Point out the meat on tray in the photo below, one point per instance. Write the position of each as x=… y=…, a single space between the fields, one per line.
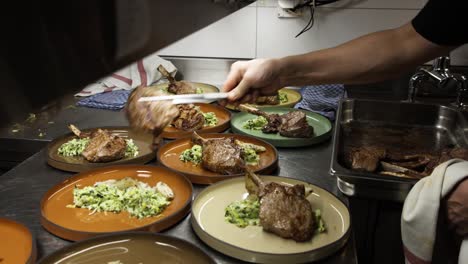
x=397 y=163
x=102 y=146
x=284 y=209
x=292 y=124
x=220 y=155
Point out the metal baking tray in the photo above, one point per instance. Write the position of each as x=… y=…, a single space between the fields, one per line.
x=410 y=127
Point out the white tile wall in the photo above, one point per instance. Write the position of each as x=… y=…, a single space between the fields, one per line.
x=332 y=26
x=231 y=37
x=256 y=31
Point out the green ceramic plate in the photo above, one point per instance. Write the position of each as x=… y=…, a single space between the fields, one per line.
x=322 y=128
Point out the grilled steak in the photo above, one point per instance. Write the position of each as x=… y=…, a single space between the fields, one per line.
x=190 y=118
x=221 y=155
x=269 y=100
x=292 y=124
x=366 y=158
x=102 y=146
x=284 y=209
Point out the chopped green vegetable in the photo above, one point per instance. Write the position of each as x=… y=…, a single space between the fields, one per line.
x=243 y=213
x=255 y=123
x=73 y=147
x=199 y=90
x=283 y=97
x=320 y=224
x=193 y=154
x=210 y=119
x=250 y=156
x=132 y=149
x=135 y=197
x=76 y=146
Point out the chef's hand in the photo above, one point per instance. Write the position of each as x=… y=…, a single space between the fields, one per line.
x=150 y=116
x=249 y=79
x=457 y=209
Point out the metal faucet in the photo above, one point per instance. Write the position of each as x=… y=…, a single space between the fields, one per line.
x=440 y=77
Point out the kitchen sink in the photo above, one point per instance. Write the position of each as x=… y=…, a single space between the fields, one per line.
x=407 y=127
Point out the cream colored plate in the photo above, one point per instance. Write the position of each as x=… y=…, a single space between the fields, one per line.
x=255 y=245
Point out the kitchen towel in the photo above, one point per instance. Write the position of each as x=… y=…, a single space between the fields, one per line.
x=143 y=72
x=114 y=100
x=322 y=99
x=421 y=209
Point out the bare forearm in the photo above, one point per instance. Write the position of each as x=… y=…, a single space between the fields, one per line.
x=370 y=58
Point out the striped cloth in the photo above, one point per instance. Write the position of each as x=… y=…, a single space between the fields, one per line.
x=322 y=99
x=115 y=100
x=141 y=73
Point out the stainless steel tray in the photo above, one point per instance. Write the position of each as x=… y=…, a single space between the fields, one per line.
x=412 y=127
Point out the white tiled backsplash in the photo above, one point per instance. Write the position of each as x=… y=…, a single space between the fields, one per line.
x=256 y=31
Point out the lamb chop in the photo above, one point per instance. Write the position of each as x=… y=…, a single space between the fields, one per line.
x=284 y=209
x=292 y=124
x=268 y=100
x=177 y=87
x=103 y=146
x=221 y=155
x=190 y=118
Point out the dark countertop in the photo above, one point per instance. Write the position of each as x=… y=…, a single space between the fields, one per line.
x=22 y=188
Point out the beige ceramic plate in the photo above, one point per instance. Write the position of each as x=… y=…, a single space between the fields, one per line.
x=78 y=163
x=168 y=155
x=206 y=88
x=223 y=115
x=130 y=248
x=252 y=243
x=78 y=223
x=293 y=95
x=17 y=244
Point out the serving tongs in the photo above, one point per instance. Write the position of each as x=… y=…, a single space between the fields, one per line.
x=186 y=98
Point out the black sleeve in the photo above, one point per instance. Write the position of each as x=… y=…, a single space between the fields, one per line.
x=443 y=22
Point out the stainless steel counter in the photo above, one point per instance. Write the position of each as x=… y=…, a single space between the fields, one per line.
x=22 y=188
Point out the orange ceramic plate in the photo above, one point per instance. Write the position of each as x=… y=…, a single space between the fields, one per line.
x=17 y=245
x=77 y=164
x=223 y=115
x=78 y=223
x=168 y=155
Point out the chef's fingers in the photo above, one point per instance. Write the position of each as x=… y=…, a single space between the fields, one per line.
x=241 y=89
x=234 y=76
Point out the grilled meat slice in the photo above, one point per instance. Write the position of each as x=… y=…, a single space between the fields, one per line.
x=292 y=124
x=220 y=155
x=102 y=146
x=269 y=100
x=284 y=209
x=366 y=158
x=190 y=118
x=176 y=87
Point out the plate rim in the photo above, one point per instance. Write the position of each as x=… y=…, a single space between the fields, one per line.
x=286 y=105
x=335 y=246
x=124 y=233
x=219 y=177
x=33 y=255
x=65 y=166
x=78 y=235
x=214 y=129
x=283 y=143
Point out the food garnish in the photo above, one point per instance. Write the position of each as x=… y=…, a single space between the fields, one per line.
x=243 y=213
x=256 y=123
x=135 y=197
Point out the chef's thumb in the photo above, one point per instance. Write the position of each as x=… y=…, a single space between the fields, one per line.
x=238 y=92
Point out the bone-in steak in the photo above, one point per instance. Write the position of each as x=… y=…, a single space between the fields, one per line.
x=221 y=155
x=190 y=118
x=104 y=147
x=284 y=209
